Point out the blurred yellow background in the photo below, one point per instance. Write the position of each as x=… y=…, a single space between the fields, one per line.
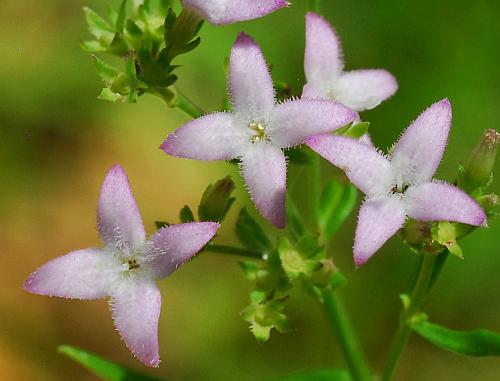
x=57 y=142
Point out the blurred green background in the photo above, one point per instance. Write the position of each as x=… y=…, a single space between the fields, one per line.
x=57 y=142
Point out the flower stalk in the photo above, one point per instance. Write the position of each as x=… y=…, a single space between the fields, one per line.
x=418 y=293
x=347 y=337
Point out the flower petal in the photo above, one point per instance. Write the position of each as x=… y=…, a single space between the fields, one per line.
x=250 y=84
x=135 y=305
x=211 y=137
x=364 y=89
x=292 y=122
x=230 y=11
x=82 y=274
x=419 y=150
x=174 y=245
x=264 y=170
x=323 y=56
x=437 y=201
x=378 y=220
x=366 y=168
x=118 y=219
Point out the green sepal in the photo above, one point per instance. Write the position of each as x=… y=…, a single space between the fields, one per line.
x=105 y=70
x=478 y=342
x=216 y=200
x=107 y=95
x=186 y=215
x=92 y=46
x=445 y=234
x=250 y=233
x=161 y=224
x=337 y=203
x=318 y=375
x=102 y=367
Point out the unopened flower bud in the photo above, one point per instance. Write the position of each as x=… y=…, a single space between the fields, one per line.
x=480 y=164
x=216 y=200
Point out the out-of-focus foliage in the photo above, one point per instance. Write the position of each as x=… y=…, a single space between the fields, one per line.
x=57 y=141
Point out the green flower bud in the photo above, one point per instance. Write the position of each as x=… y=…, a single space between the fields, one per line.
x=479 y=167
x=216 y=200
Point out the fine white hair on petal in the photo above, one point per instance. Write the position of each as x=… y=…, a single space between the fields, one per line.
x=216 y=136
x=367 y=169
x=250 y=85
x=231 y=11
x=118 y=218
x=83 y=274
x=364 y=89
x=439 y=201
x=174 y=245
x=135 y=305
x=423 y=143
x=323 y=61
x=264 y=171
x=379 y=219
x=293 y=121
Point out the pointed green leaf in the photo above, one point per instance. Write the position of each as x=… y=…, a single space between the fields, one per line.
x=161 y=224
x=251 y=234
x=105 y=70
x=186 y=215
x=478 y=342
x=120 y=21
x=98 y=27
x=92 y=46
x=132 y=29
x=357 y=130
x=295 y=224
x=108 y=95
x=318 y=375
x=101 y=367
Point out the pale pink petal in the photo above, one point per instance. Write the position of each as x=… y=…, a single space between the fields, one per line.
x=81 y=274
x=378 y=220
x=310 y=91
x=437 y=201
x=118 y=219
x=135 y=305
x=323 y=56
x=419 y=150
x=211 y=137
x=366 y=168
x=250 y=84
x=264 y=170
x=174 y=245
x=231 y=11
x=292 y=122
x=364 y=89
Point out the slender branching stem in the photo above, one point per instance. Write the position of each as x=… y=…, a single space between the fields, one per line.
x=224 y=249
x=417 y=295
x=176 y=99
x=347 y=337
x=313 y=5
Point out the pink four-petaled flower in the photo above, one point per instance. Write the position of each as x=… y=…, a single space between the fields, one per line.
x=400 y=185
x=231 y=11
x=257 y=129
x=126 y=268
x=323 y=64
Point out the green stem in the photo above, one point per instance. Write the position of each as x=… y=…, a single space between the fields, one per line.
x=404 y=330
x=315 y=192
x=313 y=5
x=174 y=98
x=347 y=337
x=224 y=249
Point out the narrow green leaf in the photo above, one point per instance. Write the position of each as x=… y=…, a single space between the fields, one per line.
x=106 y=71
x=133 y=29
x=92 y=46
x=357 y=130
x=250 y=233
x=186 y=215
x=120 y=21
x=295 y=224
x=478 y=342
x=318 y=375
x=101 y=367
x=337 y=202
